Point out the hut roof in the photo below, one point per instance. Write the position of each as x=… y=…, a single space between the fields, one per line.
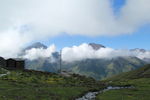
x=16 y=59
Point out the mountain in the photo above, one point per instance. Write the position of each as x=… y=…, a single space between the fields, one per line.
x=142 y=72
x=36 y=45
x=48 y=64
x=102 y=68
x=138 y=50
x=96 y=46
x=96 y=68
x=147 y=60
x=142 y=52
x=42 y=64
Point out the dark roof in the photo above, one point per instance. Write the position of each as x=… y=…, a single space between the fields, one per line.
x=2 y=58
x=11 y=59
x=16 y=59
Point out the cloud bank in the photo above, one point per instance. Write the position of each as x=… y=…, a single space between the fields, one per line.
x=85 y=51
x=36 y=53
x=82 y=52
x=24 y=21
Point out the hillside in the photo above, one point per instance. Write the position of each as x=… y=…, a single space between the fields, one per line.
x=139 y=78
x=36 y=85
x=103 y=68
x=42 y=64
x=143 y=72
x=98 y=68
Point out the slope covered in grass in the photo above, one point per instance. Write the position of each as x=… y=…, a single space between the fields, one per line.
x=104 y=68
x=139 y=78
x=3 y=71
x=143 y=72
x=33 y=85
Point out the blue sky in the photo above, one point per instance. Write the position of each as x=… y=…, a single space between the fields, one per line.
x=138 y=39
x=117 y=4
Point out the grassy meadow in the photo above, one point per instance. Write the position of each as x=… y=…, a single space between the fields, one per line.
x=32 y=85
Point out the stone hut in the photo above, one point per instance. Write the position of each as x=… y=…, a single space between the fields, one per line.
x=15 y=63
x=20 y=64
x=11 y=63
x=2 y=62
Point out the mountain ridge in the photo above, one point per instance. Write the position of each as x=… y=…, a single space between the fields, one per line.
x=36 y=45
x=96 y=46
x=96 y=68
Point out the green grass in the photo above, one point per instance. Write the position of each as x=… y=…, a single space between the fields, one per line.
x=3 y=71
x=140 y=92
x=140 y=79
x=143 y=72
x=21 y=91
x=32 y=85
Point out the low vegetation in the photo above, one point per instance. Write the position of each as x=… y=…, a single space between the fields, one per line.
x=33 y=85
x=140 y=79
x=3 y=71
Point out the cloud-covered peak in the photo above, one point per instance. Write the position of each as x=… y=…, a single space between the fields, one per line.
x=36 y=45
x=82 y=52
x=36 y=53
x=138 y=50
x=96 y=46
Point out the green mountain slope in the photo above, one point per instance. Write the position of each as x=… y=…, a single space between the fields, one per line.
x=102 y=68
x=139 y=78
x=42 y=64
x=143 y=72
x=96 y=68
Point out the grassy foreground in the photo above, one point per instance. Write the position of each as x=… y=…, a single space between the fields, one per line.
x=140 y=92
x=31 y=85
x=140 y=79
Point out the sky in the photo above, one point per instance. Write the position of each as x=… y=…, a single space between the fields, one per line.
x=119 y=24
x=138 y=39
x=129 y=41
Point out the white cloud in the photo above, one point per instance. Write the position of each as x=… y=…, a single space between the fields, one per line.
x=23 y=21
x=36 y=53
x=85 y=51
x=142 y=55
x=82 y=52
x=11 y=42
x=134 y=14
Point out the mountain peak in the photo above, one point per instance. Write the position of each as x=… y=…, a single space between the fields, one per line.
x=138 y=50
x=36 y=45
x=96 y=46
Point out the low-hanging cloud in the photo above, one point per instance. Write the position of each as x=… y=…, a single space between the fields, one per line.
x=24 y=21
x=85 y=51
x=82 y=52
x=36 y=53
